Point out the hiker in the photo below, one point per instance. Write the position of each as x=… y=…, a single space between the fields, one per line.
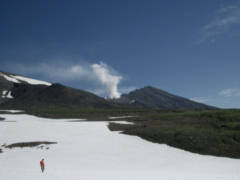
x=42 y=165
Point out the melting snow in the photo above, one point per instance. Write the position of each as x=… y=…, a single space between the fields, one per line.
x=89 y=151
x=121 y=117
x=132 y=101
x=10 y=78
x=18 y=79
x=31 y=81
x=4 y=93
x=122 y=122
x=12 y=111
x=7 y=94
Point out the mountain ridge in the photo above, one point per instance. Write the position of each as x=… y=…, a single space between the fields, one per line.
x=22 y=92
x=151 y=97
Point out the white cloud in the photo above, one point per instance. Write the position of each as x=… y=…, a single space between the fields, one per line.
x=224 y=20
x=199 y=99
x=98 y=74
x=231 y=92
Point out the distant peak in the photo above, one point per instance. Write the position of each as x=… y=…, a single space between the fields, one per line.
x=149 y=87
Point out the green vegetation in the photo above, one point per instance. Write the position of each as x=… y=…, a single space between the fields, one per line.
x=206 y=132
x=212 y=132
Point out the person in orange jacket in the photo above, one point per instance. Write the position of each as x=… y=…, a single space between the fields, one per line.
x=42 y=165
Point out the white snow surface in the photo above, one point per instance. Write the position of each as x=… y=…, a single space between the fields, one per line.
x=18 y=79
x=12 y=111
x=10 y=78
x=89 y=151
x=31 y=81
x=122 y=122
x=7 y=94
x=4 y=93
x=120 y=117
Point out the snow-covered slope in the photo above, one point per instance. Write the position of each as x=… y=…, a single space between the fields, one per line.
x=9 y=78
x=89 y=151
x=7 y=81
x=19 y=79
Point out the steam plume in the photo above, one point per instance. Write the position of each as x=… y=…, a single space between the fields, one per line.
x=98 y=75
x=107 y=78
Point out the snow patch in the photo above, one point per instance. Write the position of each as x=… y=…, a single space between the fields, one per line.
x=10 y=78
x=132 y=101
x=7 y=94
x=122 y=122
x=31 y=81
x=4 y=92
x=12 y=111
x=18 y=79
x=120 y=117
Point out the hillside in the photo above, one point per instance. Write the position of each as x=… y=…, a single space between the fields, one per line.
x=27 y=96
x=7 y=81
x=19 y=92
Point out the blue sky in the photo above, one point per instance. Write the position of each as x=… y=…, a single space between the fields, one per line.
x=189 y=48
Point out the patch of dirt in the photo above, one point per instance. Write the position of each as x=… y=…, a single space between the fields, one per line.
x=2 y=119
x=29 y=144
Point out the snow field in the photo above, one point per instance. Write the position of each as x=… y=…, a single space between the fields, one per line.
x=89 y=151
